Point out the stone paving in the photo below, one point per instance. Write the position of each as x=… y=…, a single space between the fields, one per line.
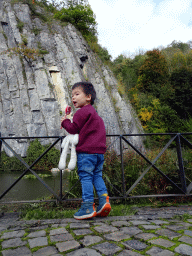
x=159 y=232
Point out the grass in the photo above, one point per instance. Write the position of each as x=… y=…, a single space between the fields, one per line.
x=39 y=211
x=33 y=177
x=51 y=210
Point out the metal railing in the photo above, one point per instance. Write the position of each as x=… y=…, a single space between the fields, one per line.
x=177 y=138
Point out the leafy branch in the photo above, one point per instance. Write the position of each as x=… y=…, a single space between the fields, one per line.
x=29 y=54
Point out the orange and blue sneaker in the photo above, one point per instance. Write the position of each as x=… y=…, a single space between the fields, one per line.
x=86 y=211
x=104 y=207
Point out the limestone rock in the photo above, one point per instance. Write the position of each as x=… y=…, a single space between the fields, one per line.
x=35 y=92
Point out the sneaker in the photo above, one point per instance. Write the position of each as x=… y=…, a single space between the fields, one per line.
x=104 y=207
x=86 y=211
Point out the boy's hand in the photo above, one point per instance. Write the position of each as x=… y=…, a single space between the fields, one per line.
x=63 y=118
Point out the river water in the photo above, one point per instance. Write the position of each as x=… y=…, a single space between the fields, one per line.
x=30 y=189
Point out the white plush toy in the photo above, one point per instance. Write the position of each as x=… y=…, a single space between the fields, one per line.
x=69 y=142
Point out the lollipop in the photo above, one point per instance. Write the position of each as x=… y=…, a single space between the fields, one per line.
x=67 y=112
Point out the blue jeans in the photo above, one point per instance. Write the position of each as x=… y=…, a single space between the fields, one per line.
x=90 y=168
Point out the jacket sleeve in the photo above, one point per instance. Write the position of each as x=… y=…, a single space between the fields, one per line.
x=70 y=127
x=79 y=119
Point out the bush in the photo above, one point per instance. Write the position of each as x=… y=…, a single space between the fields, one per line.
x=81 y=16
x=10 y=163
x=126 y=70
x=50 y=160
x=155 y=116
x=35 y=149
x=112 y=173
x=154 y=71
x=180 y=101
x=20 y=25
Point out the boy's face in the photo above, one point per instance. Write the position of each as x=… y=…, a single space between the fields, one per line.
x=79 y=98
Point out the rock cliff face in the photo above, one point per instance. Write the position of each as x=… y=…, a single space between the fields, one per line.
x=34 y=93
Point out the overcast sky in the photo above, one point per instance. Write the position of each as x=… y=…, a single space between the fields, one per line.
x=125 y=26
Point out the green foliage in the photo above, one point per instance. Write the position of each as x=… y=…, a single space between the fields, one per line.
x=153 y=182
x=103 y=53
x=10 y=163
x=74 y=184
x=181 y=79
x=29 y=54
x=158 y=85
x=4 y=35
x=121 y=209
x=184 y=47
x=20 y=25
x=24 y=40
x=154 y=76
x=155 y=117
x=45 y=211
x=43 y=51
x=81 y=16
x=53 y=211
x=33 y=177
x=178 y=54
x=36 y=31
x=50 y=160
x=153 y=72
x=112 y=173
x=35 y=149
x=46 y=5
x=126 y=70
x=78 y=13
x=134 y=166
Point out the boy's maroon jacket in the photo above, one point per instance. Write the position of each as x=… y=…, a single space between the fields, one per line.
x=91 y=129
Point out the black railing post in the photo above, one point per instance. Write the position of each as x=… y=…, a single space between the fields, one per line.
x=122 y=166
x=180 y=161
x=0 y=149
x=61 y=174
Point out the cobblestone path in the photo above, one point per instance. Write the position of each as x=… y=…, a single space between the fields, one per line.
x=159 y=232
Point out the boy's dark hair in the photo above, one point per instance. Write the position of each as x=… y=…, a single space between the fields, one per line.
x=88 y=88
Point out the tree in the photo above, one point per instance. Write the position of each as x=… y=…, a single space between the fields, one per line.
x=184 y=47
x=103 y=53
x=63 y=3
x=126 y=69
x=181 y=80
x=76 y=2
x=81 y=16
x=153 y=74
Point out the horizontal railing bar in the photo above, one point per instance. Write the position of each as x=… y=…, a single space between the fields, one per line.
x=28 y=201
x=37 y=137
x=52 y=200
x=111 y=198
x=108 y=135
x=149 y=134
x=159 y=195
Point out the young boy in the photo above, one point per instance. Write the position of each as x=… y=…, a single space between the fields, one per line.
x=90 y=150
